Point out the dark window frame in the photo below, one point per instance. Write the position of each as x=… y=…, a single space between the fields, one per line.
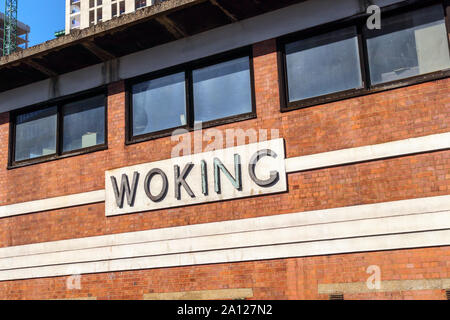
x=367 y=88
x=59 y=154
x=188 y=68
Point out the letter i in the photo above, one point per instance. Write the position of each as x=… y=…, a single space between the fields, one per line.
x=204 y=178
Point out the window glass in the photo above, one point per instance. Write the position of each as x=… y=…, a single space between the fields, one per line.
x=84 y=123
x=407 y=45
x=99 y=14
x=140 y=3
x=222 y=90
x=324 y=64
x=159 y=104
x=35 y=134
x=91 y=18
x=114 y=9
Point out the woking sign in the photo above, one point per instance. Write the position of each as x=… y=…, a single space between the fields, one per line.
x=238 y=172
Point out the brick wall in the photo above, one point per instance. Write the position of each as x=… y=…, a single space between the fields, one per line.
x=296 y=278
x=413 y=111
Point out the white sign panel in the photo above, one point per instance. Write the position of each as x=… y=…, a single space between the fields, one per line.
x=232 y=173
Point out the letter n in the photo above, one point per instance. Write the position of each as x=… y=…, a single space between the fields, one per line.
x=235 y=181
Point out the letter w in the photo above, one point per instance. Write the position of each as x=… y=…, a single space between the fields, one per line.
x=125 y=190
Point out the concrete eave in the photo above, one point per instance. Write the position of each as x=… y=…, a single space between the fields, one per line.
x=152 y=26
x=113 y=25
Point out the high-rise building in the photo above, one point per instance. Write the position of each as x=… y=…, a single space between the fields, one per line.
x=81 y=14
x=23 y=32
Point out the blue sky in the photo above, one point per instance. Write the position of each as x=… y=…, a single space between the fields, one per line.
x=44 y=17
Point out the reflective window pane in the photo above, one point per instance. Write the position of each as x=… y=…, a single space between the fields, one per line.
x=159 y=104
x=35 y=134
x=324 y=64
x=84 y=123
x=222 y=90
x=408 y=45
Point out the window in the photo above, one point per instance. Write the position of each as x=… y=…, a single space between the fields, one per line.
x=208 y=92
x=408 y=45
x=140 y=4
x=75 y=23
x=83 y=124
x=75 y=8
x=331 y=62
x=35 y=134
x=114 y=9
x=222 y=90
x=343 y=60
x=159 y=104
x=91 y=18
x=61 y=129
x=99 y=14
x=122 y=7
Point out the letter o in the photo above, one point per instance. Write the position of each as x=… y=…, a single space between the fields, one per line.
x=148 y=180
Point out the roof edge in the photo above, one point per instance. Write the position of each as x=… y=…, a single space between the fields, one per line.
x=87 y=34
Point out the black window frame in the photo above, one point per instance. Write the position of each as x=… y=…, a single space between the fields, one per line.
x=59 y=103
x=359 y=21
x=188 y=68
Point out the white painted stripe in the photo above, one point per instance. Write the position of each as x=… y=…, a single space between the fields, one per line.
x=365 y=244
x=316 y=161
x=383 y=226
x=52 y=203
x=343 y=214
x=264 y=237
x=367 y=153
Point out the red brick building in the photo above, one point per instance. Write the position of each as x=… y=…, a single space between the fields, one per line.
x=357 y=207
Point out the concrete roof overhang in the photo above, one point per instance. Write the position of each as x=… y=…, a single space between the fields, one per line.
x=149 y=27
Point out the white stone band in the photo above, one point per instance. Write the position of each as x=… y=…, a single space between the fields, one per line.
x=72 y=200
x=398 y=148
x=383 y=226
